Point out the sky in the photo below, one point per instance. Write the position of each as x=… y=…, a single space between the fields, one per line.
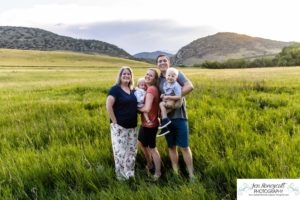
x=151 y=25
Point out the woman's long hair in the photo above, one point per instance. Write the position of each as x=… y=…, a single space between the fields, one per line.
x=155 y=77
x=118 y=81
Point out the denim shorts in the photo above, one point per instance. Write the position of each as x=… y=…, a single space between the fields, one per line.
x=179 y=133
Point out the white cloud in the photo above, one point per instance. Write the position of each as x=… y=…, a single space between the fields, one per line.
x=277 y=19
x=137 y=36
x=74 y=13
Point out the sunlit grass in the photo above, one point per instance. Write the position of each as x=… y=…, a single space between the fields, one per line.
x=55 y=140
x=31 y=58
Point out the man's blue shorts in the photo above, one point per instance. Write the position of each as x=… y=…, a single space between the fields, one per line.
x=179 y=133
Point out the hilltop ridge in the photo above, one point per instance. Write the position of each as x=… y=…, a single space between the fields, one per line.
x=226 y=45
x=39 y=39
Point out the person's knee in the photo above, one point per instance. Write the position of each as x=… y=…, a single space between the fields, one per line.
x=140 y=144
x=185 y=149
x=152 y=150
x=173 y=149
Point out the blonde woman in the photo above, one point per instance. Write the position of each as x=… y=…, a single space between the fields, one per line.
x=121 y=105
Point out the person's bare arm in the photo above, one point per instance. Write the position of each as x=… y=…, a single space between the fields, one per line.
x=109 y=107
x=187 y=88
x=174 y=98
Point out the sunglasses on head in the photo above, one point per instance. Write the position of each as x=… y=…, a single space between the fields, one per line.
x=163 y=60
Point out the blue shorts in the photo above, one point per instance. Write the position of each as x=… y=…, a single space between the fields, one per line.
x=179 y=133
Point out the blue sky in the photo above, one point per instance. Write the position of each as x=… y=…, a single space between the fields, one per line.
x=144 y=25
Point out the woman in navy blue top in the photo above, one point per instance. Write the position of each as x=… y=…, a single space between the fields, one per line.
x=121 y=105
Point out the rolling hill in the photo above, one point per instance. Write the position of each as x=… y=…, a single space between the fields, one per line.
x=150 y=55
x=38 y=39
x=225 y=45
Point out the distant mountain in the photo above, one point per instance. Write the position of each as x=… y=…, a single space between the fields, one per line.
x=225 y=45
x=151 y=55
x=38 y=39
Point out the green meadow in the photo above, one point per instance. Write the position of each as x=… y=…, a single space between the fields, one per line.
x=55 y=138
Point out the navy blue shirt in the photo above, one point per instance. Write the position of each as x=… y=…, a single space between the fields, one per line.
x=125 y=107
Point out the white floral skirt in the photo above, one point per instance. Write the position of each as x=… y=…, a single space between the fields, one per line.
x=124 y=144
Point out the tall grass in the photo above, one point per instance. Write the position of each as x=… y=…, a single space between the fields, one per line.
x=55 y=140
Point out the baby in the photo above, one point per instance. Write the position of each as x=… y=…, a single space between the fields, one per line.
x=171 y=99
x=140 y=92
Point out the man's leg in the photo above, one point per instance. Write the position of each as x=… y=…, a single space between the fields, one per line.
x=173 y=154
x=182 y=141
x=188 y=159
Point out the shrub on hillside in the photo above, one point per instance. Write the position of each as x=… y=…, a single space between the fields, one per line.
x=289 y=56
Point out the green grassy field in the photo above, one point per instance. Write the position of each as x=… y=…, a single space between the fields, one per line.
x=55 y=140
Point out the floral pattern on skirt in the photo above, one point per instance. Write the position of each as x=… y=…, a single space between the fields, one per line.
x=124 y=144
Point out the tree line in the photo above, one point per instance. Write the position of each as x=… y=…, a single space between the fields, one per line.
x=289 y=56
